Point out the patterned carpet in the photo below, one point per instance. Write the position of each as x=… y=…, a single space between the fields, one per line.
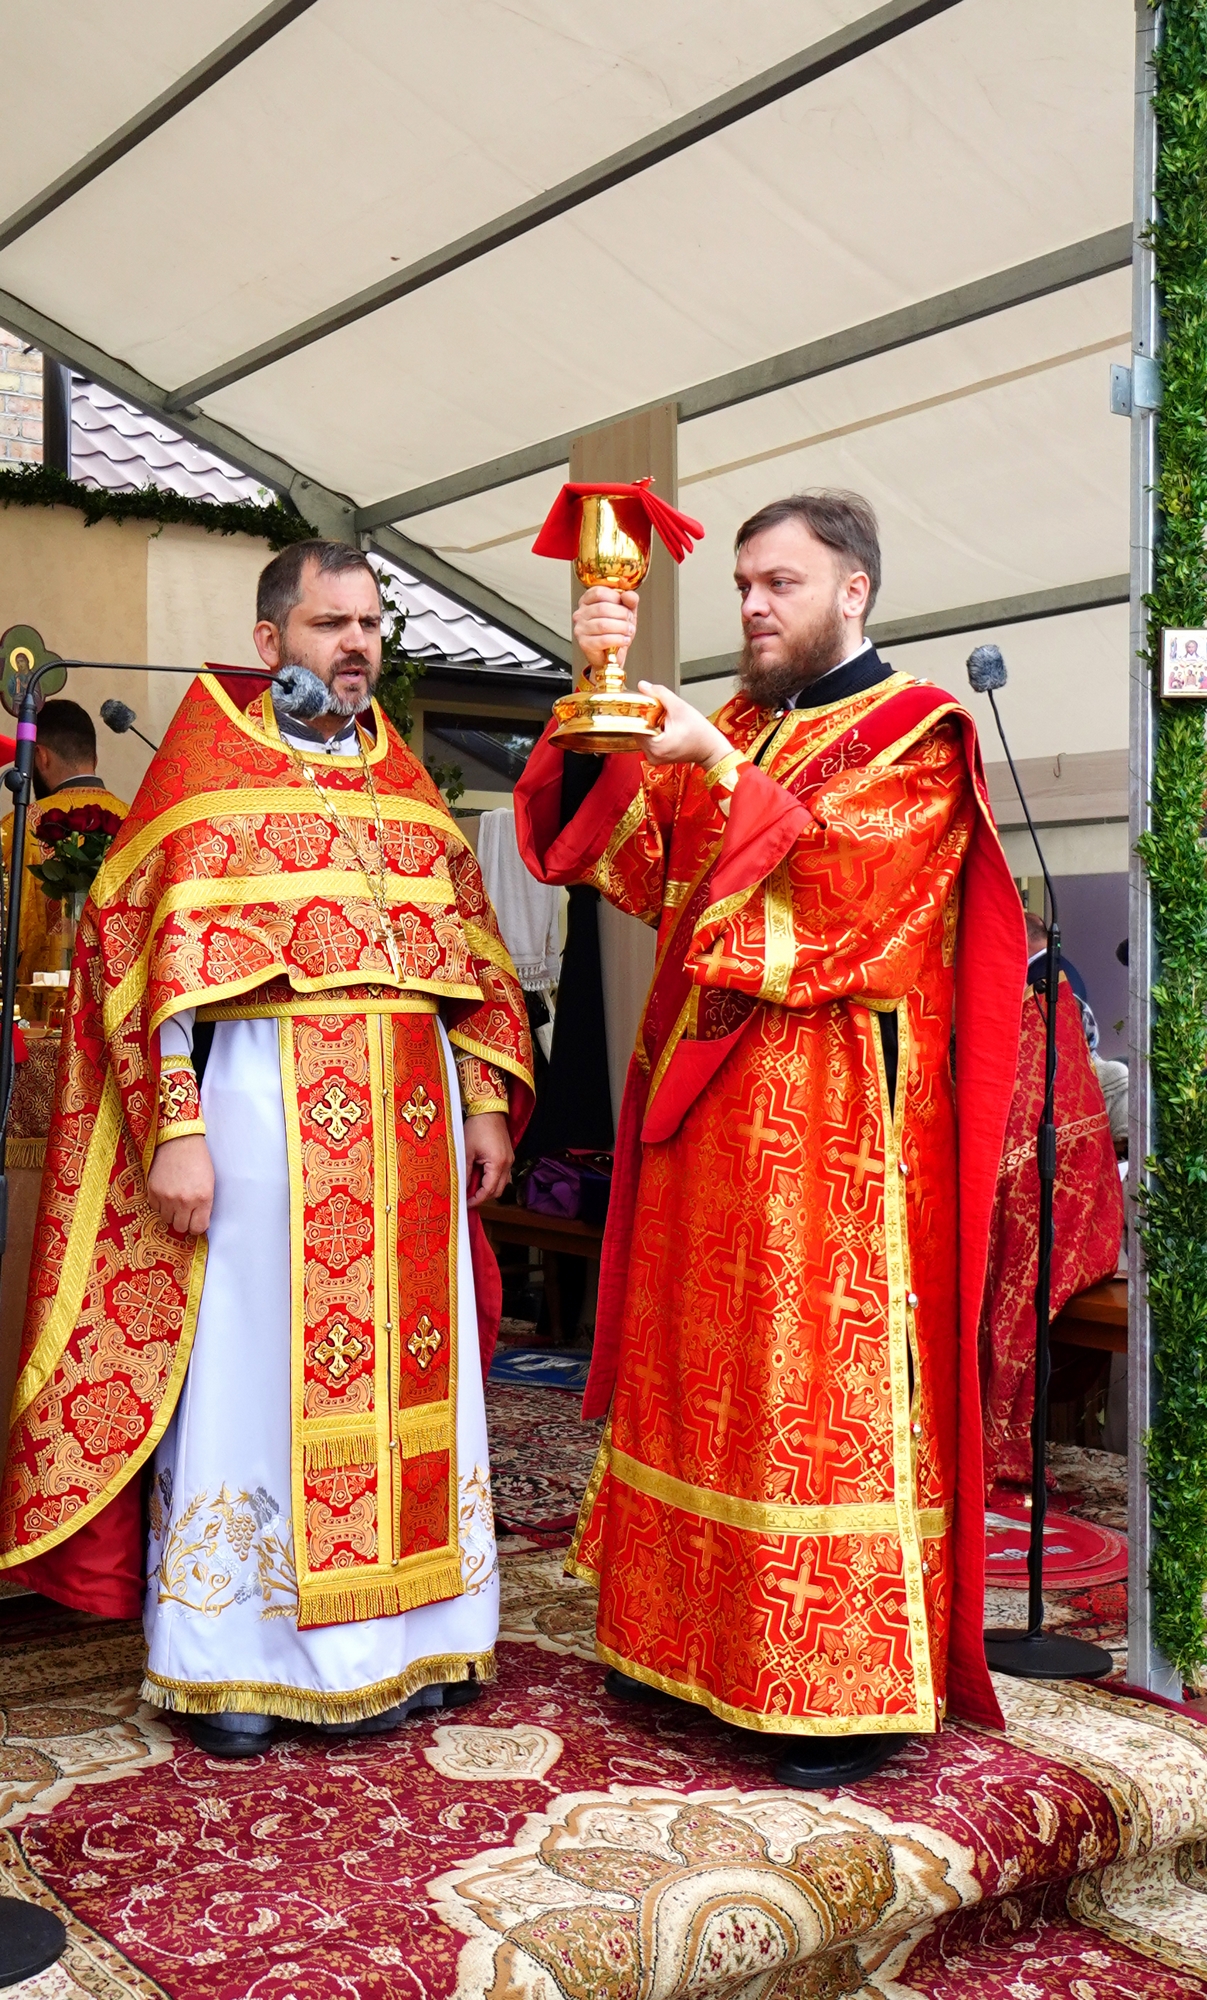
x=541 y=1454
x=552 y=1844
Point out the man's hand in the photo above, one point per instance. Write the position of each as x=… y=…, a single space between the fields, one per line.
x=686 y=736
x=605 y=618
x=488 y=1147
x=180 y=1185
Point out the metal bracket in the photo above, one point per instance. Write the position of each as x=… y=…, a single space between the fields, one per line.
x=1135 y=388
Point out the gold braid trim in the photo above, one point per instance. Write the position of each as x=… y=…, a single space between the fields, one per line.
x=77 y=1261
x=767 y=1518
x=303 y=1704
x=293 y=799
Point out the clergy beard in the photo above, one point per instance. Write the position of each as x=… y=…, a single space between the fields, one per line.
x=811 y=655
x=348 y=705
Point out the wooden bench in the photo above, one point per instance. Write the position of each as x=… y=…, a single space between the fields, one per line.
x=506 y=1222
x=1095 y=1318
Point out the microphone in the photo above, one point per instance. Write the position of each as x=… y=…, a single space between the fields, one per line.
x=986 y=671
x=119 y=717
x=298 y=692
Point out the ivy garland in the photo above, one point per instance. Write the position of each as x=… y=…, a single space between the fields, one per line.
x=277 y=522
x=1175 y=1221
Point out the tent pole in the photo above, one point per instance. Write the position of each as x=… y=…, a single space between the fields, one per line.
x=1145 y=1666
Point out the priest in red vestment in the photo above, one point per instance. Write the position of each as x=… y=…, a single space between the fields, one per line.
x=786 y=1517
x=249 y=1375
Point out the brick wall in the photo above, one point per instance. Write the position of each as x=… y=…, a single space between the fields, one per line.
x=20 y=400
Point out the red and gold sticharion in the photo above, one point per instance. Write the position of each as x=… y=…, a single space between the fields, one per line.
x=786 y=1334
x=230 y=892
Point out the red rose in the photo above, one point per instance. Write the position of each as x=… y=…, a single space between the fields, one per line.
x=52 y=827
x=93 y=819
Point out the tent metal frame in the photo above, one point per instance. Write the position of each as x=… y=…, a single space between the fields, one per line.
x=845 y=45
x=1038 y=278
x=185 y=91
x=1145 y=1666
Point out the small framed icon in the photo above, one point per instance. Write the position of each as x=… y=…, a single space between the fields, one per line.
x=1184 y=665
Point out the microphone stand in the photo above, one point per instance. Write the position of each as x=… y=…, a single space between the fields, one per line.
x=1036 y=1654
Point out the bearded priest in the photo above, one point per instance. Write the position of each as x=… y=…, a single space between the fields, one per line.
x=786 y=1520
x=295 y=1059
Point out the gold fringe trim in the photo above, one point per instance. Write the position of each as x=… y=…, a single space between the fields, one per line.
x=422 y=1433
x=341 y=1448
x=27 y=1153
x=309 y=1705
x=349 y=1602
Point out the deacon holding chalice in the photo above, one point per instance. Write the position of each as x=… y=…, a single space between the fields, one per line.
x=786 y=1522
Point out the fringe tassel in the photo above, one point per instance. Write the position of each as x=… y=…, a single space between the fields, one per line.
x=27 y=1153
x=335 y=1604
x=427 y=1434
x=300 y=1705
x=333 y=1449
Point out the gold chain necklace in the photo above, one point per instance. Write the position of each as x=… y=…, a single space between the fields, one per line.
x=375 y=884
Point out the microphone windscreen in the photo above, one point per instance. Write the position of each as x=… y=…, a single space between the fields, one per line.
x=117 y=716
x=296 y=691
x=986 y=668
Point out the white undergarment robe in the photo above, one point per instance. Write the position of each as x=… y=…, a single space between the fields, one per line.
x=220 y=1609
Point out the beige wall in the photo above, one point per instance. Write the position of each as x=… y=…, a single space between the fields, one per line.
x=129 y=592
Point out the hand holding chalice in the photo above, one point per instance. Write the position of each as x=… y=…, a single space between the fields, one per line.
x=606 y=532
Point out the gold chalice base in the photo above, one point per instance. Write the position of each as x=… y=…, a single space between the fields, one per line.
x=599 y=722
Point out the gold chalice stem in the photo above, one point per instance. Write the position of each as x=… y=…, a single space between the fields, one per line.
x=613 y=673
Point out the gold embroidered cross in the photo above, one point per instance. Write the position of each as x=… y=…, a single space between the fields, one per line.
x=739 y=1270
x=824 y=1446
x=861 y=1163
x=421 y=1112
x=720 y=1407
x=336 y=1112
x=839 y=1300
x=648 y=1372
x=337 y=1351
x=758 y=1132
x=717 y=963
x=424 y=1342
x=798 y=1590
x=704 y=1542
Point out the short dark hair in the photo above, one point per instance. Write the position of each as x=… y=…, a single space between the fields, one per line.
x=279 y=590
x=68 y=730
x=843 y=521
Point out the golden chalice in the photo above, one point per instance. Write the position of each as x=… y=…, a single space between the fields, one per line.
x=613 y=549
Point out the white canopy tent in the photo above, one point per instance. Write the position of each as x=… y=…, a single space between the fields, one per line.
x=391 y=257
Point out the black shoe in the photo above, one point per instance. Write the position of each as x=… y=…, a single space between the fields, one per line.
x=437 y=1697
x=233 y=1735
x=624 y=1688
x=822 y=1763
